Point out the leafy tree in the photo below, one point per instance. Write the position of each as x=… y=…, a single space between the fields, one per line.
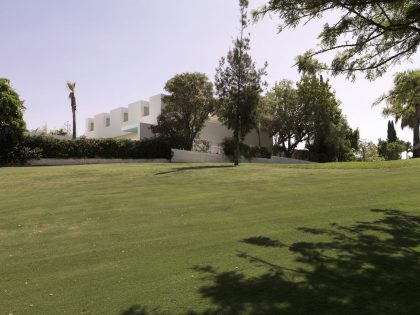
x=391 y=132
x=333 y=141
x=59 y=132
x=392 y=147
x=310 y=113
x=408 y=147
x=288 y=119
x=238 y=86
x=330 y=136
x=403 y=102
x=391 y=150
x=368 y=36
x=354 y=137
x=262 y=117
x=12 y=125
x=368 y=151
x=72 y=96
x=187 y=107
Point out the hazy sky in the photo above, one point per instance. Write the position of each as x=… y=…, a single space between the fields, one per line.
x=122 y=51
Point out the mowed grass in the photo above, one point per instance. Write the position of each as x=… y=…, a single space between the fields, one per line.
x=138 y=239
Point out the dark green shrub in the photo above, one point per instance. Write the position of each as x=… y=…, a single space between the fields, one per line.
x=246 y=151
x=154 y=148
x=20 y=154
x=260 y=152
x=391 y=150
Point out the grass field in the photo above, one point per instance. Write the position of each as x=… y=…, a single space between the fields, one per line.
x=211 y=239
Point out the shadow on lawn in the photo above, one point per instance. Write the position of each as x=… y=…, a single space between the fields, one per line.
x=192 y=168
x=370 y=268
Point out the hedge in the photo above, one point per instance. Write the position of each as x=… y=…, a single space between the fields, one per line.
x=153 y=148
x=248 y=152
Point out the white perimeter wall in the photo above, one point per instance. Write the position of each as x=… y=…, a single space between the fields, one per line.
x=181 y=156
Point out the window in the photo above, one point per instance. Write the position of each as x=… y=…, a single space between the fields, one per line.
x=91 y=126
x=146 y=111
x=108 y=122
x=125 y=117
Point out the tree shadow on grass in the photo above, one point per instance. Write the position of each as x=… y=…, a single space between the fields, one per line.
x=192 y=168
x=370 y=268
x=262 y=241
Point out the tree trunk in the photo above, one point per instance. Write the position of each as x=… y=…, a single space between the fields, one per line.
x=74 y=124
x=416 y=132
x=289 y=152
x=259 y=136
x=237 y=149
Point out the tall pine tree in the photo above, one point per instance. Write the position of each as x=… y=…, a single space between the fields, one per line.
x=238 y=86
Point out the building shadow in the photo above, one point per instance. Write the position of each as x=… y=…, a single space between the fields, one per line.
x=370 y=268
x=194 y=168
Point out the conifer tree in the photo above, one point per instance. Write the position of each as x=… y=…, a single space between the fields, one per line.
x=238 y=86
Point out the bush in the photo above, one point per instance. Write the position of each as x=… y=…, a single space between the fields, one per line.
x=154 y=148
x=246 y=151
x=20 y=154
x=260 y=152
x=12 y=125
x=391 y=150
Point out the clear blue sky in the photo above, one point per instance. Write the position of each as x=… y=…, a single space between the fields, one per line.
x=122 y=51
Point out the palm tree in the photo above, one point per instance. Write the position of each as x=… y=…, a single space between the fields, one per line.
x=72 y=86
x=403 y=102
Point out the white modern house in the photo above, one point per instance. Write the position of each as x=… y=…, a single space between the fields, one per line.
x=133 y=122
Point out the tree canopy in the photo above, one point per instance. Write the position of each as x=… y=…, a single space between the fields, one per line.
x=331 y=138
x=71 y=86
x=309 y=113
x=12 y=125
x=403 y=103
x=287 y=118
x=367 y=36
x=187 y=107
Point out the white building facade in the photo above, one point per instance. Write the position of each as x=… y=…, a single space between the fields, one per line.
x=133 y=122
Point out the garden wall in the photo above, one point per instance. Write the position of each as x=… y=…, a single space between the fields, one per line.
x=181 y=156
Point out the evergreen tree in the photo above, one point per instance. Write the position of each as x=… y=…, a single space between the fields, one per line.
x=391 y=133
x=238 y=86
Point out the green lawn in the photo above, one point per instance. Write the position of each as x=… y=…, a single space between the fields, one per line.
x=211 y=239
